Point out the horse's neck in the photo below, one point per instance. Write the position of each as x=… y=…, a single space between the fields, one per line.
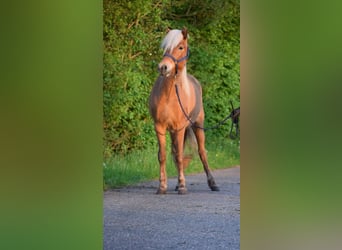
x=167 y=85
x=181 y=80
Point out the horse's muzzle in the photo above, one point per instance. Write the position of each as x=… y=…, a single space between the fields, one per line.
x=163 y=70
x=165 y=67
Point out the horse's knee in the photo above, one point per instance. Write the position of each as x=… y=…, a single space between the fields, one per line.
x=177 y=157
x=161 y=157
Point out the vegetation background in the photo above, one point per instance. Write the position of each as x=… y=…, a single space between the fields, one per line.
x=132 y=33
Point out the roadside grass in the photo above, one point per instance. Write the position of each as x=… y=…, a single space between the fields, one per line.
x=139 y=166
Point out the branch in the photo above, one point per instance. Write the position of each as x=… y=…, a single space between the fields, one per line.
x=134 y=56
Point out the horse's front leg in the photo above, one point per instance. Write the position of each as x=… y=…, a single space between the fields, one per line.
x=177 y=152
x=162 y=162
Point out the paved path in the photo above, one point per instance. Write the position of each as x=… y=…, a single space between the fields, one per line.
x=136 y=218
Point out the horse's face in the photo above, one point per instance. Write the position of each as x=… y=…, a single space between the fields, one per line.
x=174 y=59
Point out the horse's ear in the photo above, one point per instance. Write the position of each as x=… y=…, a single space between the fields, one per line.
x=185 y=33
x=168 y=29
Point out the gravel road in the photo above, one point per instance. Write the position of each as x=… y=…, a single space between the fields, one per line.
x=136 y=218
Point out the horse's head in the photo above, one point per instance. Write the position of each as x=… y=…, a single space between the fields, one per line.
x=176 y=52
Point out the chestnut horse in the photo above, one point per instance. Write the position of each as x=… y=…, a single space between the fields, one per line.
x=167 y=113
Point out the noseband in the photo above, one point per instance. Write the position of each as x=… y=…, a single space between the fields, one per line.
x=179 y=60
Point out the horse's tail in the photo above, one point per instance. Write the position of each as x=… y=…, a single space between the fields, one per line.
x=190 y=146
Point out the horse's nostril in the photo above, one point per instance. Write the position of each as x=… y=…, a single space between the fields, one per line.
x=163 y=69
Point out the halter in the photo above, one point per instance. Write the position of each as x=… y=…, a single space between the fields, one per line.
x=179 y=60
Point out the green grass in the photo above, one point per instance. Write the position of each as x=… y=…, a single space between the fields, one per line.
x=143 y=165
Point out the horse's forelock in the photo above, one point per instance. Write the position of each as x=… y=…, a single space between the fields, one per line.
x=171 y=40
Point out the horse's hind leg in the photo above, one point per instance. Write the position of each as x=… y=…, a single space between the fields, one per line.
x=203 y=155
x=190 y=145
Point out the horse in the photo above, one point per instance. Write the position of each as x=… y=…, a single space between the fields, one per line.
x=168 y=113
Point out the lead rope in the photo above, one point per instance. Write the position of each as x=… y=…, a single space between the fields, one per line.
x=234 y=115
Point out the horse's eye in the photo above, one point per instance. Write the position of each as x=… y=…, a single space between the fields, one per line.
x=181 y=48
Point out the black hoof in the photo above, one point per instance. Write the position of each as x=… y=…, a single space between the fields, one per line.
x=176 y=189
x=214 y=188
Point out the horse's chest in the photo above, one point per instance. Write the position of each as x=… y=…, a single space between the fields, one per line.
x=166 y=109
x=167 y=113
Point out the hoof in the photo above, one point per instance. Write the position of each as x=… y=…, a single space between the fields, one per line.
x=161 y=191
x=214 y=188
x=176 y=189
x=212 y=185
x=182 y=191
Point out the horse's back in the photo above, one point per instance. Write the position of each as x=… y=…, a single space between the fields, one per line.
x=198 y=108
x=197 y=88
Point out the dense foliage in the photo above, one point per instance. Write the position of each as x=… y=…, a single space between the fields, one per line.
x=132 y=34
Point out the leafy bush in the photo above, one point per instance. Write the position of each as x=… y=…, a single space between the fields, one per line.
x=132 y=34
